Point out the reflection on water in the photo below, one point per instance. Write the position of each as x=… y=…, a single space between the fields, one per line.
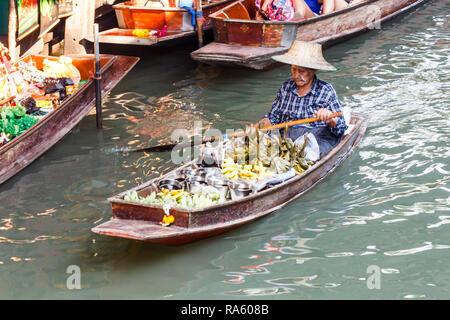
x=255 y=292
x=387 y=205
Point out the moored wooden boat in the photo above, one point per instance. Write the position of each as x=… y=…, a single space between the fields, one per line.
x=241 y=40
x=140 y=221
x=24 y=149
x=177 y=22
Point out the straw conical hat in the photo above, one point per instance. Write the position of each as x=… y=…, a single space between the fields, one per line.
x=305 y=54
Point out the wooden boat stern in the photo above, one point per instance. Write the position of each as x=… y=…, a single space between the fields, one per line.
x=135 y=229
x=232 y=54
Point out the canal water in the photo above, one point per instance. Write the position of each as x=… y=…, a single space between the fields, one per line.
x=384 y=211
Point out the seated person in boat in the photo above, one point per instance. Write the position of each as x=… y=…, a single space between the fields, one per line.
x=288 y=10
x=305 y=96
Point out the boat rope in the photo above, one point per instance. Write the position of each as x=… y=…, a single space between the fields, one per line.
x=92 y=76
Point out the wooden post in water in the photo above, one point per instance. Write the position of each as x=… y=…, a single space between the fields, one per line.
x=12 y=28
x=198 y=8
x=97 y=80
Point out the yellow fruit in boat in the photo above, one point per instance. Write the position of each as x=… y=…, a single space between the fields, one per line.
x=141 y=33
x=227 y=170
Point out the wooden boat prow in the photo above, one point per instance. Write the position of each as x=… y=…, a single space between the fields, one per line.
x=140 y=221
x=237 y=34
x=24 y=149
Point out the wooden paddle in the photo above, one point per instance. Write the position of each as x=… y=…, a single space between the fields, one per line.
x=167 y=147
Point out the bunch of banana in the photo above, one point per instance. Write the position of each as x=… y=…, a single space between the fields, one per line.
x=176 y=195
x=247 y=174
x=230 y=169
x=253 y=171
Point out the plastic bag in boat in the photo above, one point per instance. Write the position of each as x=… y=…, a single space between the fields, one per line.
x=312 y=150
x=347 y=114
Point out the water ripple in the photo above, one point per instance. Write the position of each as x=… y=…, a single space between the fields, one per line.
x=387 y=205
x=258 y=292
x=426 y=247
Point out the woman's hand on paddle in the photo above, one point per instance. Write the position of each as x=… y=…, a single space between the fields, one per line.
x=265 y=123
x=324 y=115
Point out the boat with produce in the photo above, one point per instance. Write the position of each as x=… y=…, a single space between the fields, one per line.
x=238 y=181
x=44 y=98
x=146 y=23
x=242 y=41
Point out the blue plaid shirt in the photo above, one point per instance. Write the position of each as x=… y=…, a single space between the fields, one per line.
x=290 y=106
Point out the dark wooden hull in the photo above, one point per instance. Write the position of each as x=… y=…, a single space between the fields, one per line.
x=24 y=149
x=140 y=222
x=177 y=21
x=252 y=43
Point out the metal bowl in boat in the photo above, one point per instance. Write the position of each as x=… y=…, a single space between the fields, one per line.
x=239 y=184
x=216 y=181
x=239 y=189
x=220 y=184
x=177 y=176
x=195 y=183
x=170 y=184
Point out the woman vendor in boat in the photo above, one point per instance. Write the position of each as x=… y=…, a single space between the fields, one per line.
x=305 y=96
x=288 y=10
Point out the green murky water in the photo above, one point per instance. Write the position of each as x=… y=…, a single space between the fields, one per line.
x=387 y=205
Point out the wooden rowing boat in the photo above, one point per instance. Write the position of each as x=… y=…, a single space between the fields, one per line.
x=24 y=149
x=240 y=40
x=140 y=221
x=178 y=22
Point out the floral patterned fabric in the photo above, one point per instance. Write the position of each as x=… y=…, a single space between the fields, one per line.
x=281 y=10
